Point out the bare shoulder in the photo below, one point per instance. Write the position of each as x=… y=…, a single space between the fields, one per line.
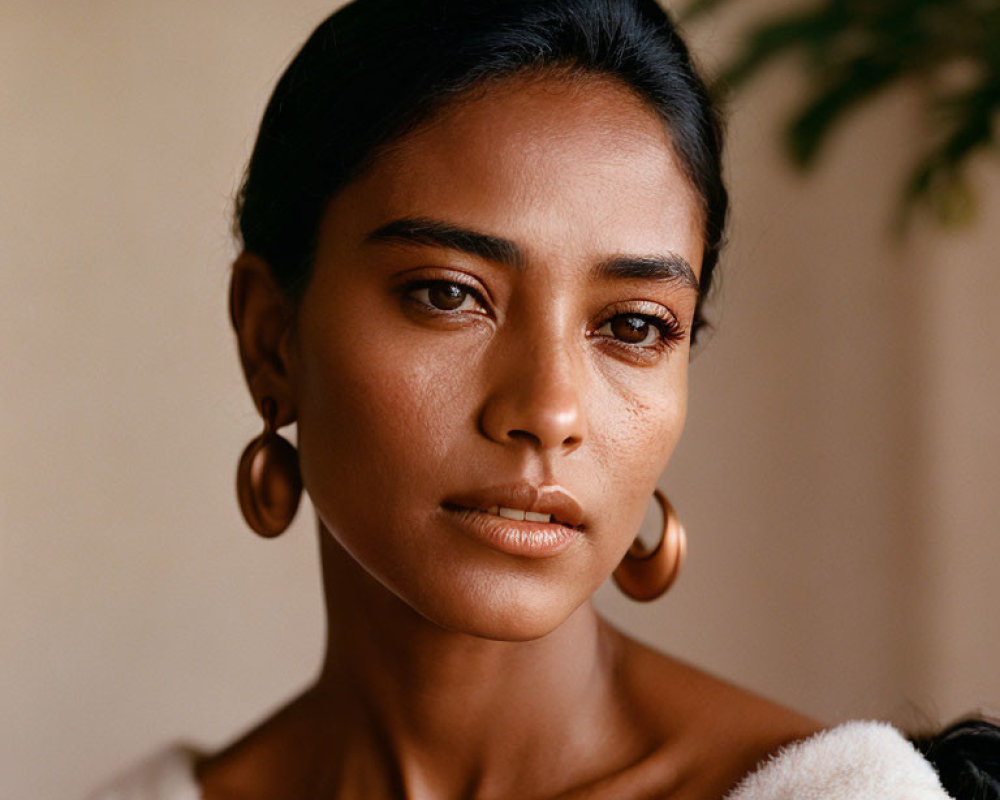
x=711 y=733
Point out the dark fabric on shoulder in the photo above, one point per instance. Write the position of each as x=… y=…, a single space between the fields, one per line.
x=966 y=756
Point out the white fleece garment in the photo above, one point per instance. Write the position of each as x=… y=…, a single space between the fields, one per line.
x=854 y=761
x=167 y=775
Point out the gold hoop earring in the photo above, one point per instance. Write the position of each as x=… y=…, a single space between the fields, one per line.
x=645 y=574
x=268 y=481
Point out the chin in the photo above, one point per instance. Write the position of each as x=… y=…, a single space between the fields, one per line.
x=521 y=613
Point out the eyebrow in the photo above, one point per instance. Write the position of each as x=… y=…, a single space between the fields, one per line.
x=668 y=268
x=419 y=230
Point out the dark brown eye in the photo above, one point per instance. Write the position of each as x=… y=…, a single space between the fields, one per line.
x=446 y=296
x=632 y=330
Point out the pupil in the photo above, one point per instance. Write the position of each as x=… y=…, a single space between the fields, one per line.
x=630 y=329
x=447 y=296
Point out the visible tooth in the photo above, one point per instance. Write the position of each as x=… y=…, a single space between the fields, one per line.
x=511 y=513
x=493 y=510
x=534 y=516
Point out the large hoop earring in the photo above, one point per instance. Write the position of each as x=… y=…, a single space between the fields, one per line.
x=645 y=574
x=268 y=481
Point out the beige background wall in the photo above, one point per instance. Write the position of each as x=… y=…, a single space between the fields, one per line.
x=837 y=477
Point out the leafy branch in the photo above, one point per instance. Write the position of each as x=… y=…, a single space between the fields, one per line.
x=856 y=49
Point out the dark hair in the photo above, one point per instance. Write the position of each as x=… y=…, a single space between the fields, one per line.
x=966 y=756
x=377 y=68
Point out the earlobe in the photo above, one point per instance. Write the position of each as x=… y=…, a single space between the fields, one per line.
x=262 y=317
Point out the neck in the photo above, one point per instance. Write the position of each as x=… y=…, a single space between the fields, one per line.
x=446 y=712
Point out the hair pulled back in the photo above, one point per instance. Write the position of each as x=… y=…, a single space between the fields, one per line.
x=377 y=68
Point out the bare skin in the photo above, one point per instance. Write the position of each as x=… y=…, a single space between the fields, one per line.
x=425 y=369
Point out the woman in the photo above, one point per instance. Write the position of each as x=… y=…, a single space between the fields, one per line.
x=477 y=238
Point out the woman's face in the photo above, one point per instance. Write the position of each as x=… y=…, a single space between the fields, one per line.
x=498 y=322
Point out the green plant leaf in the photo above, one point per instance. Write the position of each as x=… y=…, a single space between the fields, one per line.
x=853 y=50
x=699 y=8
x=808 y=131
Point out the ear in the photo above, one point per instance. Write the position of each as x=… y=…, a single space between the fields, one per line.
x=263 y=318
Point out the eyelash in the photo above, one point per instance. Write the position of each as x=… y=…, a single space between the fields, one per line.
x=426 y=285
x=670 y=331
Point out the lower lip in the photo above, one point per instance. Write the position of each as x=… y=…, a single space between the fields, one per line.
x=515 y=537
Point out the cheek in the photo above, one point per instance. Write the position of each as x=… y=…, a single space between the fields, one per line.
x=642 y=435
x=376 y=414
x=640 y=419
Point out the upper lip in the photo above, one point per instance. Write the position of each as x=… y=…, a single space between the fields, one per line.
x=542 y=499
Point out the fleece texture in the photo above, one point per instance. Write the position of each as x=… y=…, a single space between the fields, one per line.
x=167 y=775
x=854 y=761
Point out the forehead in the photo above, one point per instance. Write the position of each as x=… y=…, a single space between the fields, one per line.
x=542 y=160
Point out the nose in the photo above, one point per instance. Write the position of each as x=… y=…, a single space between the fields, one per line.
x=537 y=397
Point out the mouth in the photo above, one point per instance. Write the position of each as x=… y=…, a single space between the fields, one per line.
x=517 y=515
x=520 y=519
x=546 y=504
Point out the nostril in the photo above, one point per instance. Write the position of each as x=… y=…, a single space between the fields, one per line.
x=569 y=442
x=526 y=435
x=528 y=411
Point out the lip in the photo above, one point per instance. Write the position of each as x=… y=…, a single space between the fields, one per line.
x=520 y=537
x=543 y=499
